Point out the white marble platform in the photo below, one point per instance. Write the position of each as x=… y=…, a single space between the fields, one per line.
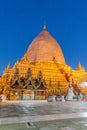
x=26 y=101
x=12 y=120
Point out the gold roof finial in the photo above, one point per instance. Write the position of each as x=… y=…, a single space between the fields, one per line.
x=79 y=65
x=8 y=67
x=44 y=28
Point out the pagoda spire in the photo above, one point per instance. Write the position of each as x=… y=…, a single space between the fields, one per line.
x=8 y=67
x=44 y=28
x=79 y=65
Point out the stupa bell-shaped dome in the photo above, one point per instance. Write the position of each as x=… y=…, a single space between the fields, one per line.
x=45 y=48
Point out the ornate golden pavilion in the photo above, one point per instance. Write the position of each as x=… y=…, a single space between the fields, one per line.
x=42 y=69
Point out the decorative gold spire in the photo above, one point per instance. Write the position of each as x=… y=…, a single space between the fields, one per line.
x=8 y=67
x=79 y=65
x=44 y=28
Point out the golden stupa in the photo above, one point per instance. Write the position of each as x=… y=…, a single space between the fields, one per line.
x=45 y=55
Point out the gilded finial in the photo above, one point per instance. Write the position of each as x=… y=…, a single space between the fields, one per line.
x=79 y=65
x=44 y=28
x=8 y=67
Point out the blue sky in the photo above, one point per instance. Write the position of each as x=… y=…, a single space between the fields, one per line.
x=22 y=20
